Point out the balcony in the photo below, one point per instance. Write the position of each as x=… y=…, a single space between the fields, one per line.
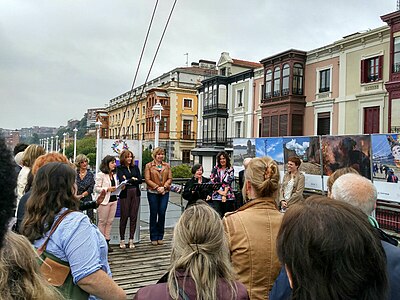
x=215 y=108
x=188 y=135
x=211 y=142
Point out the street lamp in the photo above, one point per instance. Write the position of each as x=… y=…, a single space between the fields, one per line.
x=56 y=143
x=157 y=109
x=75 y=131
x=98 y=126
x=47 y=145
x=64 y=135
x=51 y=143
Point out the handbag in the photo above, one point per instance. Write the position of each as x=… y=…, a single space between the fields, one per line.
x=58 y=272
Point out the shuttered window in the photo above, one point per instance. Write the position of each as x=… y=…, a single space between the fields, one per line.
x=324 y=123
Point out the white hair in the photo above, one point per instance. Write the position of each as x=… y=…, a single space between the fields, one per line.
x=355 y=190
x=246 y=162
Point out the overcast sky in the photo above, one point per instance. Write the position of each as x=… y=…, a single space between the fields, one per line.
x=59 y=57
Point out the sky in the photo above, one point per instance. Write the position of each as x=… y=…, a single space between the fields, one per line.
x=60 y=57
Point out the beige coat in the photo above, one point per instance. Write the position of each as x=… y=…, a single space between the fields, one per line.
x=103 y=182
x=252 y=232
x=298 y=188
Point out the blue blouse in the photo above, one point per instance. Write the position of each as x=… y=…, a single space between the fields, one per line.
x=79 y=243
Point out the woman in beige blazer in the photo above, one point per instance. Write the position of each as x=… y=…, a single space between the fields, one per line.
x=293 y=184
x=106 y=180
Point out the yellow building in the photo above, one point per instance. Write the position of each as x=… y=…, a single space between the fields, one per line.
x=131 y=115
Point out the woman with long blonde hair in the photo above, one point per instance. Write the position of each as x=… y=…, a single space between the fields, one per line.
x=200 y=265
x=20 y=276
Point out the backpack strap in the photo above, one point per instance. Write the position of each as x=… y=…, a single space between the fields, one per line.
x=55 y=225
x=182 y=293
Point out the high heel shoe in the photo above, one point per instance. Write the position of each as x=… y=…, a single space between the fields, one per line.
x=122 y=244
x=131 y=244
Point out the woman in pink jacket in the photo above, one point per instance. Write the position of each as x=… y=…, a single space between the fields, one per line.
x=106 y=180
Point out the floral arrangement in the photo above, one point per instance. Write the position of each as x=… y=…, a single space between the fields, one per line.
x=119 y=145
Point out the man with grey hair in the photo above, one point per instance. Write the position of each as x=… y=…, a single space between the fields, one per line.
x=355 y=190
x=361 y=193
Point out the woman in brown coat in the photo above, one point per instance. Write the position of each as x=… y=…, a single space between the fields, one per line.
x=158 y=177
x=253 y=228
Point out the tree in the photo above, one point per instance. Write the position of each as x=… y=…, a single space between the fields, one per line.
x=181 y=171
x=146 y=158
x=86 y=146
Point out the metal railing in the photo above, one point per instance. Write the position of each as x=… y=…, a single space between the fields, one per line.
x=388 y=216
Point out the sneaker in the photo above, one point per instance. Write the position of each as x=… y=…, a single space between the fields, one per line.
x=122 y=244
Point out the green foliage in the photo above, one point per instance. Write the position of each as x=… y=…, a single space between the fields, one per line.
x=92 y=159
x=146 y=158
x=181 y=171
x=86 y=146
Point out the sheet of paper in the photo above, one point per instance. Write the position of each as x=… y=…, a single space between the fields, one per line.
x=119 y=188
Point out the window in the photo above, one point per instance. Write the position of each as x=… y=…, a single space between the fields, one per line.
x=266 y=126
x=324 y=80
x=268 y=84
x=163 y=124
x=223 y=72
x=371 y=69
x=238 y=128
x=186 y=156
x=277 y=82
x=239 y=98
x=285 y=79
x=324 y=123
x=143 y=109
x=297 y=125
x=283 y=125
x=187 y=103
x=128 y=114
x=187 y=127
x=297 y=88
x=221 y=129
x=396 y=55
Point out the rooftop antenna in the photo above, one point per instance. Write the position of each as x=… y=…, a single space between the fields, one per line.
x=187 y=55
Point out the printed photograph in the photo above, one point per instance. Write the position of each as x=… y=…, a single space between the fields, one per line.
x=347 y=151
x=243 y=148
x=386 y=157
x=307 y=149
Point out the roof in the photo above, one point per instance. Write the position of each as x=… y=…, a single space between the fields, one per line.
x=196 y=70
x=245 y=63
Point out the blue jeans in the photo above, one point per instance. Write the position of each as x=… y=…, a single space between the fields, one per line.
x=158 y=206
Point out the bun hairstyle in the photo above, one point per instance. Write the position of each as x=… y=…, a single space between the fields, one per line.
x=263 y=175
x=200 y=249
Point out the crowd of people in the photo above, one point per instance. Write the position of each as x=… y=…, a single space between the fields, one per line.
x=268 y=242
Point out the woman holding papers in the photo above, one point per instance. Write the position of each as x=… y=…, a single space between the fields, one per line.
x=129 y=198
x=190 y=193
x=106 y=180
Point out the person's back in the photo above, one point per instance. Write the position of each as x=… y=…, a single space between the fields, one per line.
x=200 y=266
x=253 y=228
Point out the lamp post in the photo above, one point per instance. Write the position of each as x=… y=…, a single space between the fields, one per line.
x=52 y=144
x=56 y=143
x=157 y=109
x=75 y=131
x=47 y=145
x=98 y=126
x=64 y=135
